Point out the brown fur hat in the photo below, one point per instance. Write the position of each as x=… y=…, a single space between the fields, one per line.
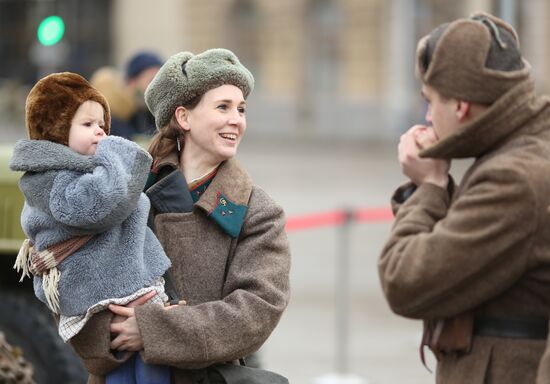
x=475 y=59
x=53 y=102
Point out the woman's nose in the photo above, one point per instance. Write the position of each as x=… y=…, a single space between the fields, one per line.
x=236 y=118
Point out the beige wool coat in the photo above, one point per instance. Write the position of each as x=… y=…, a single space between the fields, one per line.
x=483 y=247
x=236 y=288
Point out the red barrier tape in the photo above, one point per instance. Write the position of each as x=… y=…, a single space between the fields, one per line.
x=369 y=215
x=335 y=218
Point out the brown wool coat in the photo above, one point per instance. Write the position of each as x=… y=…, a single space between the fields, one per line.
x=484 y=247
x=236 y=289
x=543 y=376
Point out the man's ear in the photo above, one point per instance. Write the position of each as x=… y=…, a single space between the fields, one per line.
x=182 y=117
x=462 y=110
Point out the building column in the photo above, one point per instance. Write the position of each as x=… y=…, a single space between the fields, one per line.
x=135 y=29
x=281 y=51
x=471 y=6
x=362 y=44
x=400 y=82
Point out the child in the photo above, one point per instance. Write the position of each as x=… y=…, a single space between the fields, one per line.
x=85 y=214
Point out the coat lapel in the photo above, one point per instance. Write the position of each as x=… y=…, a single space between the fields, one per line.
x=226 y=199
x=504 y=119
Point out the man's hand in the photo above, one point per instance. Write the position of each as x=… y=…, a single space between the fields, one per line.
x=425 y=137
x=434 y=171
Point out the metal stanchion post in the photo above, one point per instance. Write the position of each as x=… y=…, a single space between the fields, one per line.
x=342 y=296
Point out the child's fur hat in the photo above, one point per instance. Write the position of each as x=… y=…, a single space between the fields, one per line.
x=53 y=102
x=475 y=59
x=185 y=76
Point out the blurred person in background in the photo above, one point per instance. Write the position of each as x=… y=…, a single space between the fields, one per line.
x=110 y=83
x=140 y=71
x=14 y=368
x=224 y=235
x=473 y=261
x=131 y=118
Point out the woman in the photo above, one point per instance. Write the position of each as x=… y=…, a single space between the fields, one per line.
x=229 y=252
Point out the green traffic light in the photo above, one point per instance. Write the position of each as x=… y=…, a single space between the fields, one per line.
x=51 y=30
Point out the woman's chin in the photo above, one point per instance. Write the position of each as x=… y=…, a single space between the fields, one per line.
x=227 y=153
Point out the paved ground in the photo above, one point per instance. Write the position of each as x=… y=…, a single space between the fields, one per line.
x=383 y=348
x=313 y=177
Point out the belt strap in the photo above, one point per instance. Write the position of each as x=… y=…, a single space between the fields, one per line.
x=533 y=328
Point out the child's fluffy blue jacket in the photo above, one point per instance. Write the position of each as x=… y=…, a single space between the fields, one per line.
x=67 y=195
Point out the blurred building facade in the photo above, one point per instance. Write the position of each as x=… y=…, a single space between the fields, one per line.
x=328 y=69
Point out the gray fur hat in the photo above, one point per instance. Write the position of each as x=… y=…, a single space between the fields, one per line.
x=185 y=76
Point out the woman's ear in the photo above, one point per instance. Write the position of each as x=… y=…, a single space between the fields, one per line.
x=182 y=117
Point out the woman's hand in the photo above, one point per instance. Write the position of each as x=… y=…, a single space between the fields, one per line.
x=132 y=304
x=124 y=325
x=128 y=337
x=170 y=306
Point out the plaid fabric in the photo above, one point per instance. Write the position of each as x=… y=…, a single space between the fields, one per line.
x=69 y=326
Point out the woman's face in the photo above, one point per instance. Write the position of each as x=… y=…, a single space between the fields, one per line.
x=215 y=127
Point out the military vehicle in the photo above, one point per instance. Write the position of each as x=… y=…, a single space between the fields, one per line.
x=26 y=322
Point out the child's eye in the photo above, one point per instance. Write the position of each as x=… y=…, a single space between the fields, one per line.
x=87 y=124
x=242 y=110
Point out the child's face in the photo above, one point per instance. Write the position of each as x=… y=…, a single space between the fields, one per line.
x=87 y=128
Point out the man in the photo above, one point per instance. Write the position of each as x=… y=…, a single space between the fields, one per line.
x=473 y=261
x=140 y=71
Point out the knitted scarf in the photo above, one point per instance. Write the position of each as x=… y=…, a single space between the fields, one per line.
x=44 y=263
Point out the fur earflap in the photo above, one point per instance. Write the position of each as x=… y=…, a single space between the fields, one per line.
x=52 y=104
